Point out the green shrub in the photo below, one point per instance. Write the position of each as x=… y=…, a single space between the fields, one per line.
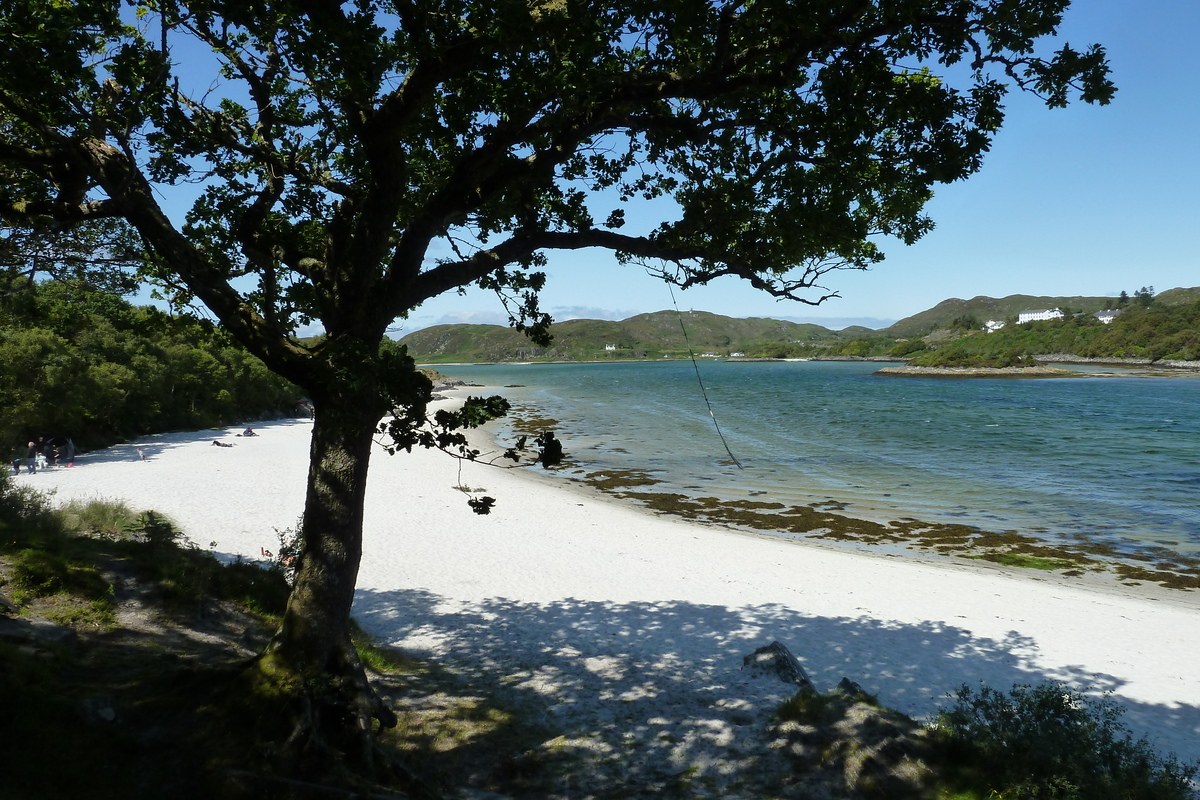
x=1050 y=741
x=24 y=512
x=106 y=519
x=156 y=530
x=38 y=574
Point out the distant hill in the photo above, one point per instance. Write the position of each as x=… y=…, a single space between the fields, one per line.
x=1178 y=296
x=985 y=308
x=656 y=335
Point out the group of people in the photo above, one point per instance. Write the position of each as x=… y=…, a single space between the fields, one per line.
x=43 y=454
x=218 y=443
x=54 y=452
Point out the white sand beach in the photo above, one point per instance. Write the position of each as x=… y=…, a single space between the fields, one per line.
x=630 y=627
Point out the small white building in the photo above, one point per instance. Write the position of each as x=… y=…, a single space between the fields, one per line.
x=1107 y=315
x=993 y=325
x=610 y=347
x=1035 y=316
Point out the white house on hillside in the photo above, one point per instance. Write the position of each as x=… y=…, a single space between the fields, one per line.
x=1107 y=315
x=993 y=325
x=1034 y=316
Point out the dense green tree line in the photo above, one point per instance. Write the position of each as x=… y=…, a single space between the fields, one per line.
x=78 y=362
x=1155 y=331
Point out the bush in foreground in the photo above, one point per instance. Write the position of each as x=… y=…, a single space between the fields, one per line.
x=1050 y=741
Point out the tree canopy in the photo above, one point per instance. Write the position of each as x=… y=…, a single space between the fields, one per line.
x=359 y=158
x=290 y=161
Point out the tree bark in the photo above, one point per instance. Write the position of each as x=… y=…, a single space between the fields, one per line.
x=312 y=657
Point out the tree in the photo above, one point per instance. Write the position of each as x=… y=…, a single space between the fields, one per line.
x=346 y=161
x=965 y=322
x=105 y=253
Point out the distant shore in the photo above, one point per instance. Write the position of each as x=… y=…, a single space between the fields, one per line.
x=1126 y=367
x=1161 y=366
x=908 y=371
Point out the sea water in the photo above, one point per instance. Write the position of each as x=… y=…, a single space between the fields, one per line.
x=1112 y=459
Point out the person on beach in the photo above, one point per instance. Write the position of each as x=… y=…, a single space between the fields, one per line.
x=248 y=432
x=220 y=444
x=31 y=455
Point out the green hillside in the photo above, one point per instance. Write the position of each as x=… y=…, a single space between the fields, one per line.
x=1178 y=296
x=659 y=335
x=985 y=308
x=653 y=336
x=1159 y=331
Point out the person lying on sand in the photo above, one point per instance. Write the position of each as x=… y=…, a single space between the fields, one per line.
x=220 y=444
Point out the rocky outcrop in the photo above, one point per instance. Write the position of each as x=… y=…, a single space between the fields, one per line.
x=844 y=737
x=876 y=752
x=777 y=661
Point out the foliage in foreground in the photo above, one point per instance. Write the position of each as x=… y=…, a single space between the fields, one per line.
x=1050 y=741
x=117 y=706
x=70 y=555
x=139 y=713
x=1044 y=742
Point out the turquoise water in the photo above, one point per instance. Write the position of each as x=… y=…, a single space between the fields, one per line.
x=1116 y=459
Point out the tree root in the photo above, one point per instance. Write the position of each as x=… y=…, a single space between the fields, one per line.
x=318 y=730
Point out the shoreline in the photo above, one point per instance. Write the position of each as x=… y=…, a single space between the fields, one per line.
x=1106 y=582
x=1132 y=566
x=616 y=624
x=877 y=534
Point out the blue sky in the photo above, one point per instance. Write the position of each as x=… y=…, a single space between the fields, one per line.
x=1088 y=200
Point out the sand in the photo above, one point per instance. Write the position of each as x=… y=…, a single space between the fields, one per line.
x=627 y=630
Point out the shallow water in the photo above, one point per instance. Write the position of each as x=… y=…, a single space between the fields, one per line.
x=1111 y=459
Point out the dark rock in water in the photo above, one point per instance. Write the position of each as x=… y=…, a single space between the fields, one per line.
x=776 y=660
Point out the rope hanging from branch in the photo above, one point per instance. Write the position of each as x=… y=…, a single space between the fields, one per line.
x=696 y=367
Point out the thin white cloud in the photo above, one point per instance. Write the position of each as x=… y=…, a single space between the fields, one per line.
x=561 y=313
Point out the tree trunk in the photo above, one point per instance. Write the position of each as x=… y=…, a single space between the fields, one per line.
x=312 y=659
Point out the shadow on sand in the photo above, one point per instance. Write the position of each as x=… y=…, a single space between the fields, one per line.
x=600 y=667
x=148 y=448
